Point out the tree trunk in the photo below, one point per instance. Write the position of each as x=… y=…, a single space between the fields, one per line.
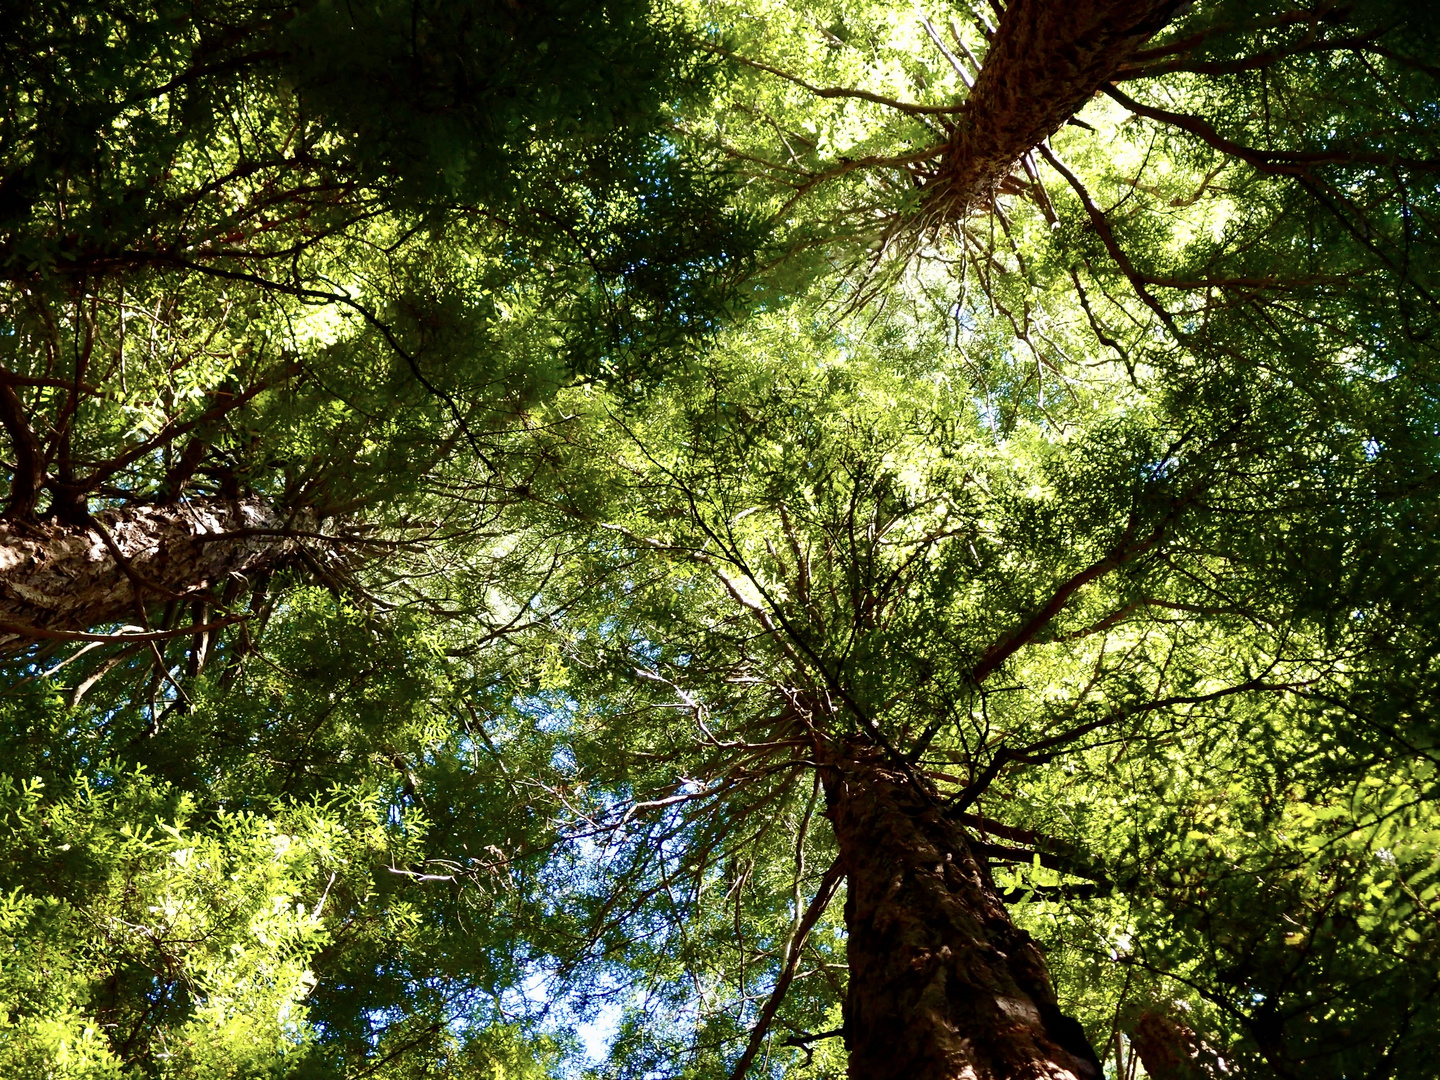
x=1047 y=59
x=58 y=580
x=1171 y=1050
x=943 y=985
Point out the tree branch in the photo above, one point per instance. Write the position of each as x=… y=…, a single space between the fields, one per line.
x=823 y=895
x=139 y=635
x=910 y=107
x=1107 y=237
x=1273 y=162
x=1006 y=647
x=29 y=455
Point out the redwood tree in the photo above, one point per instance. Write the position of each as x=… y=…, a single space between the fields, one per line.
x=1048 y=564
x=1182 y=400
x=265 y=267
x=275 y=281
x=1065 y=706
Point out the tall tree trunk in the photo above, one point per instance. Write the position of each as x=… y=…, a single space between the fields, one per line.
x=1171 y=1050
x=57 y=580
x=943 y=985
x=1047 y=59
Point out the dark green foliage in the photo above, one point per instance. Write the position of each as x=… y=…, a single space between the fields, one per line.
x=435 y=213
x=1109 y=519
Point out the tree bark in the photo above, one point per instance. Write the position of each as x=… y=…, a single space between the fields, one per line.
x=60 y=580
x=1171 y=1050
x=943 y=985
x=1047 y=58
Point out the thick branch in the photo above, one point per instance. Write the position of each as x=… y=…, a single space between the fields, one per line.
x=1328 y=13
x=1007 y=646
x=1357 y=42
x=29 y=455
x=62 y=581
x=225 y=402
x=1275 y=162
x=1107 y=237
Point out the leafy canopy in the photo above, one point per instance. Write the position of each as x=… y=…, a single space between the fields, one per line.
x=1106 y=508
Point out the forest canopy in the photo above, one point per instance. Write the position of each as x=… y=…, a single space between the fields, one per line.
x=720 y=538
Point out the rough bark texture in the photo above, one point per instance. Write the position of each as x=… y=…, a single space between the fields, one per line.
x=1171 y=1050
x=942 y=984
x=57 y=580
x=1047 y=59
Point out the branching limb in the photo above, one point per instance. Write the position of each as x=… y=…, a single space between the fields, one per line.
x=29 y=473
x=1273 y=162
x=1107 y=237
x=125 y=634
x=1127 y=549
x=909 y=107
x=823 y=895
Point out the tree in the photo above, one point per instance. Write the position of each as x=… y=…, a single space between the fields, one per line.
x=1061 y=536
x=255 y=882
x=1234 y=312
x=982 y=644
x=276 y=280
x=259 y=278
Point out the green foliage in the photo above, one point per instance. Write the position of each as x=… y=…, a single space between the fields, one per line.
x=306 y=251
x=328 y=785
x=144 y=941
x=1109 y=512
x=823 y=531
